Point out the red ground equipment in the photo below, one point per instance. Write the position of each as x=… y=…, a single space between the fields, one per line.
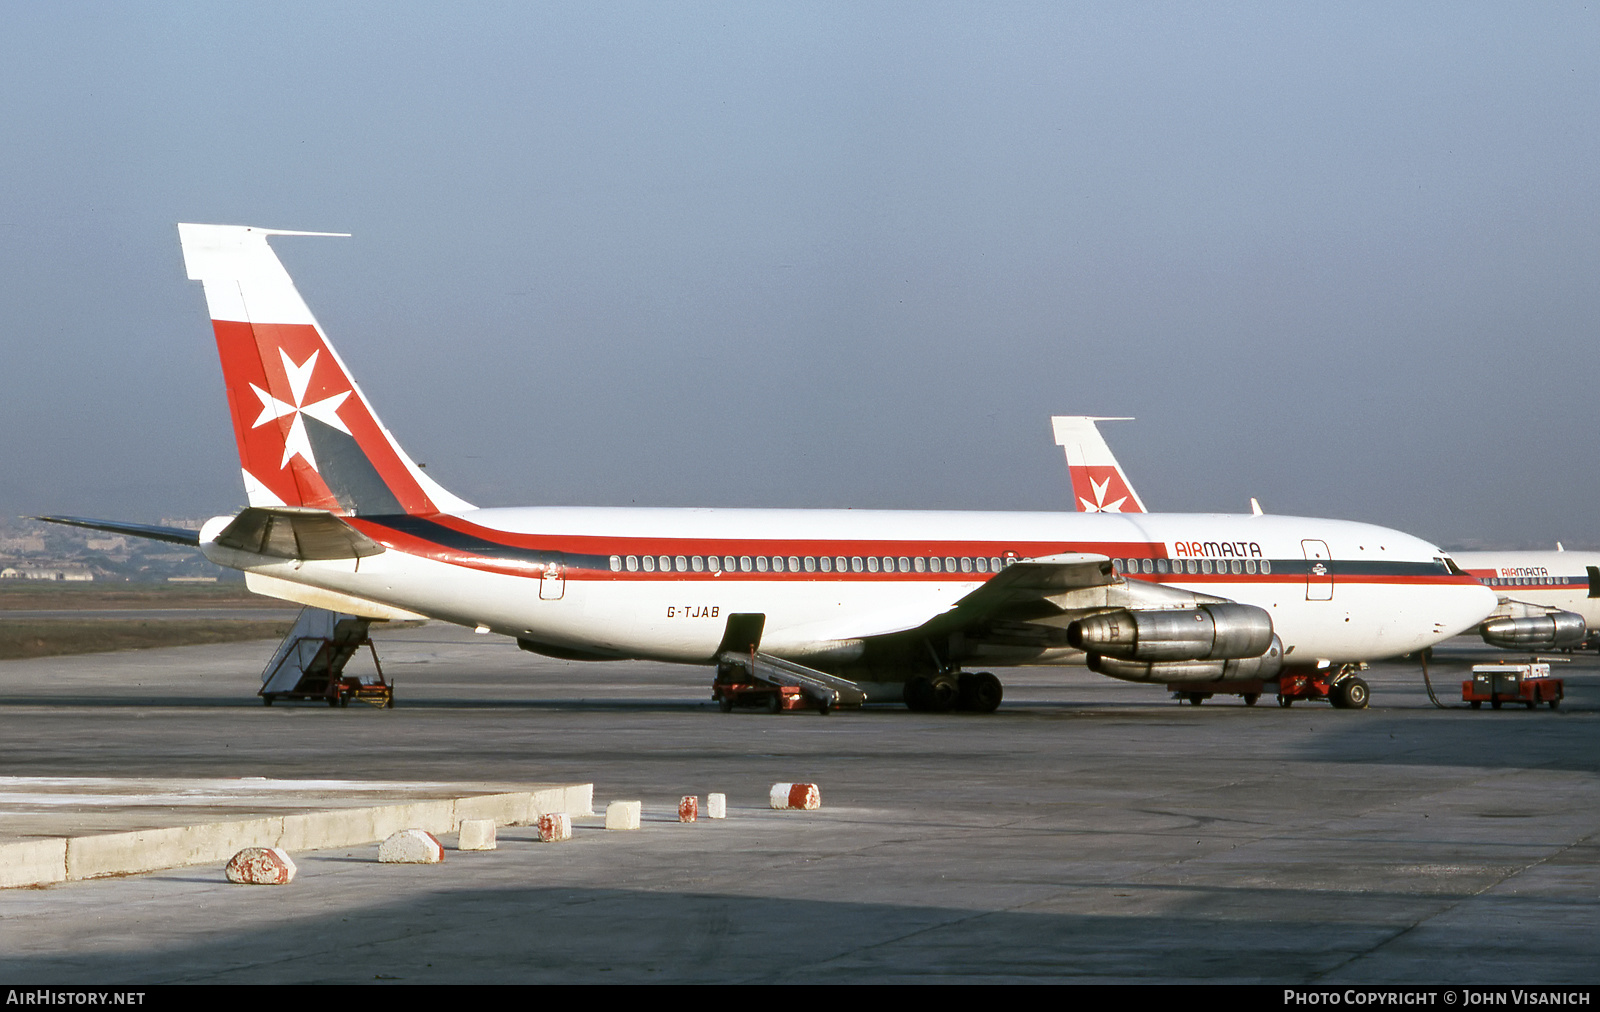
x=1528 y=684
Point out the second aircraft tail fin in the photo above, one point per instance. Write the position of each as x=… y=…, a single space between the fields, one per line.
x=1098 y=484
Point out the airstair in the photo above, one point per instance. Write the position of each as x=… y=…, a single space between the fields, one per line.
x=309 y=664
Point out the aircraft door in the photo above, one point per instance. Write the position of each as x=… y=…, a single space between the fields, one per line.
x=554 y=583
x=1319 y=570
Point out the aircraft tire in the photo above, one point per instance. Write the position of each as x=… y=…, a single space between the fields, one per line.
x=943 y=694
x=981 y=692
x=915 y=694
x=775 y=702
x=1285 y=702
x=1352 y=694
x=1250 y=698
x=725 y=704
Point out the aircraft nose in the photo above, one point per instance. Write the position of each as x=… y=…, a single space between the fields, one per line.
x=1476 y=604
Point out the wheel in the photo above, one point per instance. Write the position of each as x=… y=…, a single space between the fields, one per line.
x=333 y=700
x=725 y=704
x=344 y=699
x=1195 y=698
x=942 y=694
x=981 y=692
x=1250 y=698
x=1555 y=704
x=1353 y=693
x=266 y=700
x=775 y=702
x=1495 y=703
x=1285 y=702
x=1532 y=703
x=1477 y=704
x=915 y=694
x=824 y=709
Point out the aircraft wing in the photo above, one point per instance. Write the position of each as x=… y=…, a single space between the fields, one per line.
x=1023 y=591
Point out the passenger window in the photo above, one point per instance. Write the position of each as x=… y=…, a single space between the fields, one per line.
x=888 y=564
x=995 y=564
x=841 y=564
x=649 y=563
x=1147 y=566
x=872 y=563
x=682 y=564
x=811 y=563
x=665 y=562
x=633 y=563
x=777 y=563
x=934 y=566
x=794 y=563
x=966 y=564
x=857 y=564
x=982 y=564
x=697 y=563
x=826 y=563
x=1205 y=566
x=919 y=564
x=714 y=563
x=1161 y=565
x=949 y=564
x=1236 y=567
x=1250 y=566
x=1117 y=565
x=616 y=563
x=761 y=563
x=745 y=564
x=1266 y=567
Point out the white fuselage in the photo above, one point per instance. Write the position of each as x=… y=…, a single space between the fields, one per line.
x=829 y=580
x=1552 y=579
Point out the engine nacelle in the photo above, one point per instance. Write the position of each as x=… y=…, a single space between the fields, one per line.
x=1211 y=632
x=1536 y=632
x=1263 y=667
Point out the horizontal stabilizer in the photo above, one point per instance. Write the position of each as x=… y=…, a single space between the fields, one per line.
x=289 y=532
x=176 y=535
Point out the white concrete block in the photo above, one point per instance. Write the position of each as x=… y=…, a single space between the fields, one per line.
x=33 y=862
x=411 y=846
x=502 y=809
x=623 y=814
x=802 y=797
x=716 y=806
x=261 y=866
x=476 y=834
x=555 y=827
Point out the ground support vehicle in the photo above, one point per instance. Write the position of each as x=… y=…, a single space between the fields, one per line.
x=1529 y=684
x=1248 y=689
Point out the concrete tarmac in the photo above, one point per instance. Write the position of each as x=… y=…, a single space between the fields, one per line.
x=1088 y=831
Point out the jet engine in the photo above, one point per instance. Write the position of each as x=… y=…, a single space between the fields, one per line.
x=1535 y=632
x=1263 y=667
x=1210 y=632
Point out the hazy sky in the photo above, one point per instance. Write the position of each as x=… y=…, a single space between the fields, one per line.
x=1342 y=258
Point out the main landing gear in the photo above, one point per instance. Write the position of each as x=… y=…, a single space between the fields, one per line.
x=974 y=692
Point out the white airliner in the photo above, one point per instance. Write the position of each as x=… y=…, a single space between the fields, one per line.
x=1547 y=600
x=874 y=605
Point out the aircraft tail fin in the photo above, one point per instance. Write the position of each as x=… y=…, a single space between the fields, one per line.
x=1098 y=484
x=307 y=435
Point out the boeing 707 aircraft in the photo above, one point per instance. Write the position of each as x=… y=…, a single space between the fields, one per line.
x=874 y=605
